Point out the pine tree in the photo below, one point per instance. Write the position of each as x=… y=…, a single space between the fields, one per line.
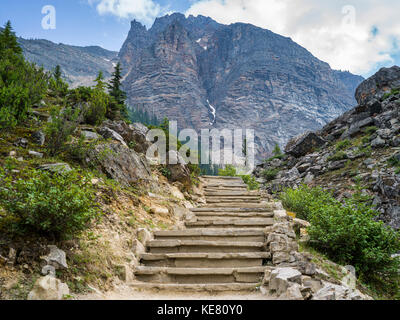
x=8 y=40
x=277 y=150
x=118 y=96
x=57 y=73
x=100 y=84
x=115 y=86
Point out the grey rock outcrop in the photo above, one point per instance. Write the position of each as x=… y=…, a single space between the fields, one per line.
x=303 y=144
x=120 y=163
x=380 y=83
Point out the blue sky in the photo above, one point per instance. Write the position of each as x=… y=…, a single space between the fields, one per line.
x=355 y=35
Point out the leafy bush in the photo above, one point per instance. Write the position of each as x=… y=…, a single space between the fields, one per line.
x=270 y=174
x=59 y=130
x=251 y=182
x=338 y=156
x=229 y=171
x=166 y=172
x=79 y=150
x=342 y=145
x=302 y=199
x=57 y=86
x=391 y=93
x=55 y=205
x=97 y=107
x=347 y=233
x=370 y=130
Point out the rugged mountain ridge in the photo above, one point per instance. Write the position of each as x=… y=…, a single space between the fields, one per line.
x=80 y=65
x=208 y=75
x=362 y=146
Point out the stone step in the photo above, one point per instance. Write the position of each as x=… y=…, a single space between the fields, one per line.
x=221 y=178
x=217 y=215
x=234 y=200
x=228 y=217
x=205 y=260
x=246 y=234
x=199 y=287
x=233 y=209
x=195 y=246
x=199 y=275
x=230 y=197
x=221 y=193
x=240 y=204
x=235 y=186
x=230 y=223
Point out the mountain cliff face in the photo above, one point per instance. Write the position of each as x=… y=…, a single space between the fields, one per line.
x=207 y=75
x=80 y=65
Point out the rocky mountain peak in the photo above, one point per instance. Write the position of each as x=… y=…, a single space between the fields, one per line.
x=380 y=83
x=252 y=77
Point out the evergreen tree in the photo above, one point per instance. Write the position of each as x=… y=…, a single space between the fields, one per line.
x=100 y=84
x=57 y=73
x=115 y=86
x=277 y=150
x=8 y=40
x=22 y=84
x=57 y=85
x=118 y=96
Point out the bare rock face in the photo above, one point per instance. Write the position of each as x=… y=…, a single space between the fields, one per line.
x=303 y=144
x=383 y=81
x=179 y=171
x=120 y=163
x=80 y=65
x=132 y=134
x=208 y=75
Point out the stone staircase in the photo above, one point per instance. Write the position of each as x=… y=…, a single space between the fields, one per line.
x=223 y=247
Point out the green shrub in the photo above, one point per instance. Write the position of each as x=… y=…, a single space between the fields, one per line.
x=302 y=199
x=391 y=93
x=270 y=174
x=97 y=107
x=79 y=150
x=347 y=233
x=49 y=204
x=166 y=172
x=394 y=162
x=342 y=145
x=59 y=130
x=228 y=171
x=338 y=156
x=370 y=130
x=251 y=182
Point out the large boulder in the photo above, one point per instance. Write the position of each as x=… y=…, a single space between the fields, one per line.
x=108 y=133
x=56 y=258
x=48 y=288
x=179 y=171
x=381 y=82
x=282 y=278
x=303 y=144
x=133 y=134
x=120 y=163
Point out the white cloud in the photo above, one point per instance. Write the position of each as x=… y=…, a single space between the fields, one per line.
x=338 y=32
x=144 y=11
